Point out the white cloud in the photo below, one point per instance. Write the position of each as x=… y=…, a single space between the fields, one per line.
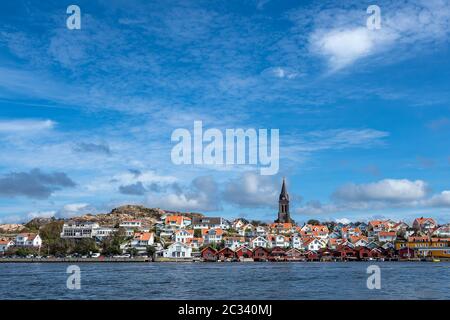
x=390 y=190
x=343 y=220
x=128 y=178
x=18 y=126
x=281 y=72
x=201 y=195
x=342 y=37
x=440 y=200
x=74 y=209
x=252 y=190
x=342 y=47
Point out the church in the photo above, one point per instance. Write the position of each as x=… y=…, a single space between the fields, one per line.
x=283 y=206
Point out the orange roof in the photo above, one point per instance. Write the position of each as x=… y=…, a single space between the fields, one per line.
x=354 y=239
x=219 y=232
x=387 y=234
x=423 y=220
x=418 y=239
x=285 y=226
x=30 y=236
x=5 y=241
x=174 y=219
x=143 y=236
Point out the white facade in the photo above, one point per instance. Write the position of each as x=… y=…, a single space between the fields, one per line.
x=212 y=236
x=296 y=242
x=259 y=242
x=210 y=223
x=314 y=245
x=261 y=231
x=5 y=245
x=178 y=250
x=143 y=239
x=278 y=241
x=28 y=240
x=79 y=230
x=183 y=235
x=234 y=242
x=103 y=232
x=131 y=224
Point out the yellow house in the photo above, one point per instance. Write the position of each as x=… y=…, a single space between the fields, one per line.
x=427 y=247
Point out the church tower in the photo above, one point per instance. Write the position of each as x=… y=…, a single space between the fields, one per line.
x=283 y=206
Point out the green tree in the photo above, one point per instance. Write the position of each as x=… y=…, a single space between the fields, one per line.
x=197 y=233
x=85 y=246
x=150 y=250
x=313 y=222
x=111 y=244
x=133 y=252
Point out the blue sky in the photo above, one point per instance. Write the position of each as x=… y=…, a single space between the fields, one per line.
x=86 y=115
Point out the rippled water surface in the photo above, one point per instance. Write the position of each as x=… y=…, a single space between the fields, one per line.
x=399 y=280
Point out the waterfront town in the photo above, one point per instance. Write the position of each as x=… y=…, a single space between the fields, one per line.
x=135 y=233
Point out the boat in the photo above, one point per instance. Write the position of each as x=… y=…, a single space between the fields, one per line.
x=436 y=260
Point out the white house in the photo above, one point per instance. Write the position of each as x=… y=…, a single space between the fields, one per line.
x=28 y=240
x=212 y=235
x=385 y=236
x=247 y=231
x=184 y=235
x=103 y=232
x=130 y=226
x=177 y=222
x=210 y=223
x=234 y=242
x=261 y=231
x=238 y=224
x=143 y=239
x=5 y=244
x=313 y=244
x=178 y=250
x=424 y=224
x=278 y=240
x=79 y=230
x=296 y=242
x=259 y=242
x=442 y=232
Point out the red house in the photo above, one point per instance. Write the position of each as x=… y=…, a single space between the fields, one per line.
x=345 y=253
x=294 y=255
x=376 y=253
x=362 y=253
x=244 y=252
x=312 y=256
x=406 y=253
x=277 y=254
x=209 y=254
x=226 y=254
x=260 y=254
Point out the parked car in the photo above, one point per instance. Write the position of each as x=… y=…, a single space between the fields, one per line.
x=95 y=255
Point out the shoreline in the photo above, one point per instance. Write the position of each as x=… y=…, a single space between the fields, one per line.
x=148 y=260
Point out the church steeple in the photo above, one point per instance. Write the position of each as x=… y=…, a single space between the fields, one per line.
x=283 y=205
x=284 y=193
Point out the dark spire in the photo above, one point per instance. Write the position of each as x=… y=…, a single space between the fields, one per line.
x=284 y=193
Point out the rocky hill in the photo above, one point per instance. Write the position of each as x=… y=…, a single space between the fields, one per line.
x=148 y=216
x=11 y=228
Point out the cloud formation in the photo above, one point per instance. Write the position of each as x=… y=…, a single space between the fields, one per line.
x=201 y=195
x=25 y=125
x=90 y=147
x=34 y=184
x=390 y=190
x=252 y=190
